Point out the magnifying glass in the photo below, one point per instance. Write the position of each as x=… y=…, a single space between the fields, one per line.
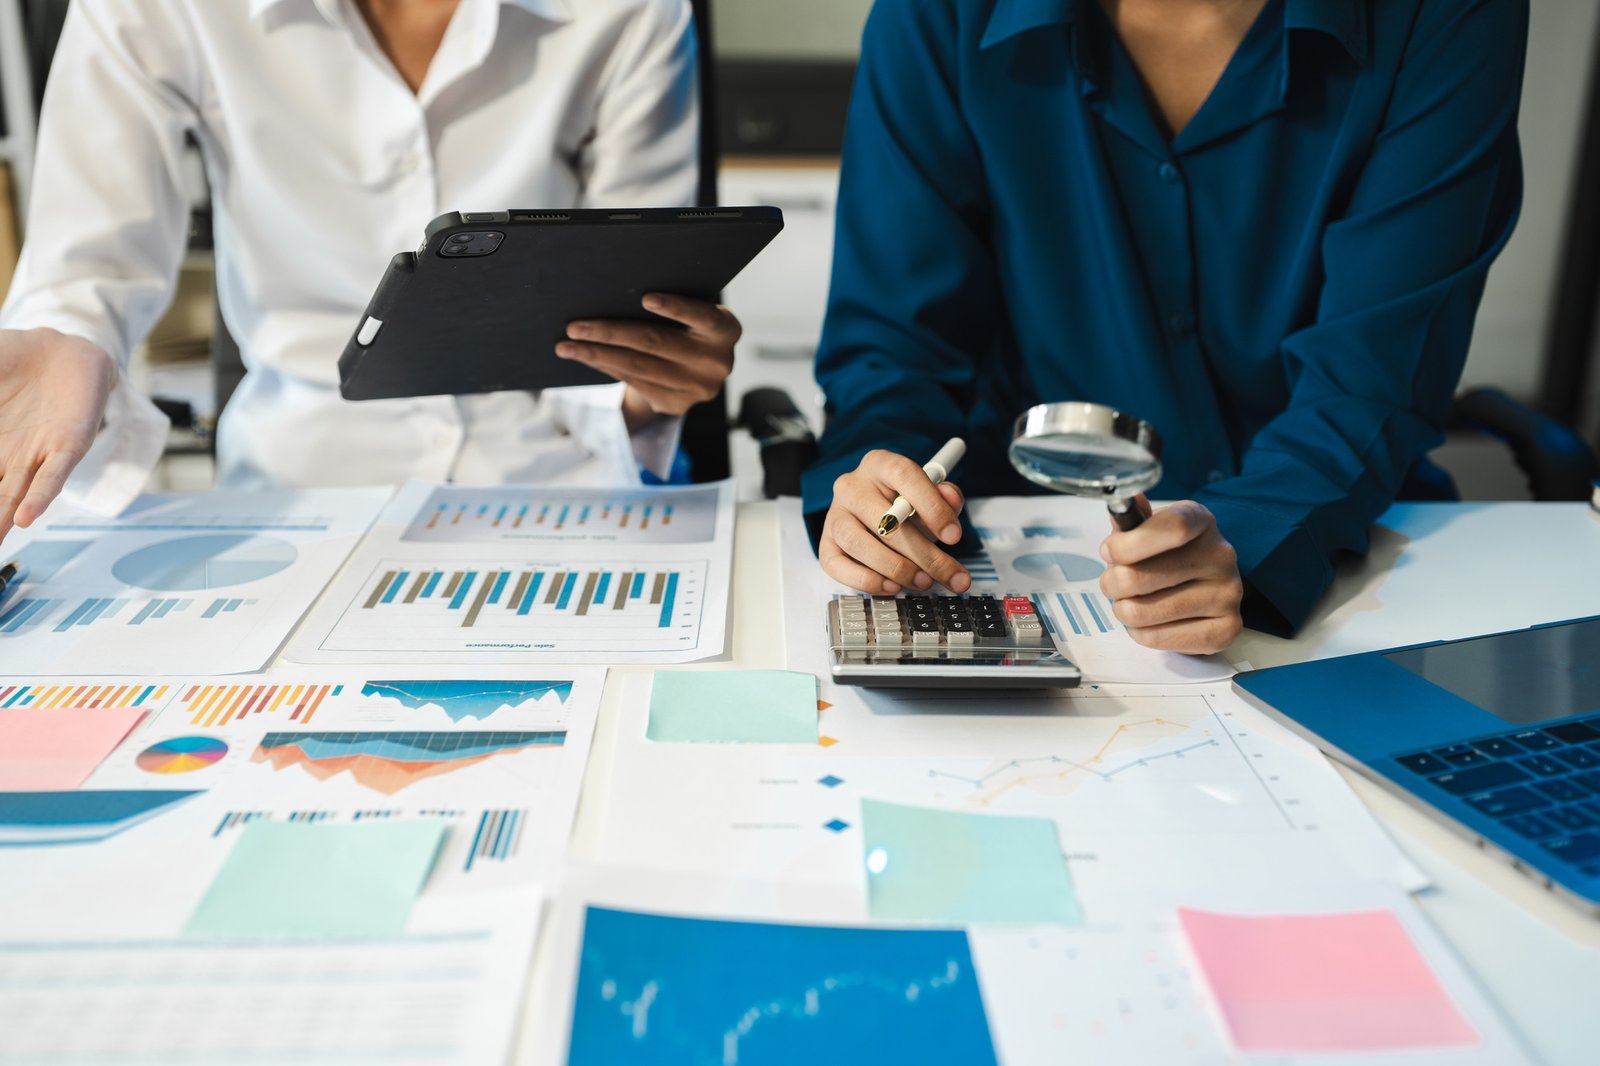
x=1089 y=449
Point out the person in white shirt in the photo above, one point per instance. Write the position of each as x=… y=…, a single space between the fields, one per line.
x=332 y=132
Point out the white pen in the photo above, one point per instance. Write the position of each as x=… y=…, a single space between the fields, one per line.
x=937 y=469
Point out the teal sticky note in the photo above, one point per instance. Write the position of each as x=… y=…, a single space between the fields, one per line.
x=319 y=879
x=927 y=865
x=733 y=707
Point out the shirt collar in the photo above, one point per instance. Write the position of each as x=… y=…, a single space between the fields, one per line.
x=1343 y=20
x=554 y=10
x=1011 y=17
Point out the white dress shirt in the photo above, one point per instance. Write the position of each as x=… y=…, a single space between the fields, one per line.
x=323 y=164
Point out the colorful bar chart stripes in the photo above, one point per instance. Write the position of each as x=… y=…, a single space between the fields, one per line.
x=211 y=706
x=498 y=835
x=45 y=697
x=563 y=591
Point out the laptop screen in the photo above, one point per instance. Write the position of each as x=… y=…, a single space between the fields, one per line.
x=1525 y=677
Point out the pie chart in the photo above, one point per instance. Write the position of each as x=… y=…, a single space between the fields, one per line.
x=1065 y=565
x=181 y=755
x=210 y=561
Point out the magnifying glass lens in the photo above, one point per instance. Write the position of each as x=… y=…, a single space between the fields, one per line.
x=1085 y=463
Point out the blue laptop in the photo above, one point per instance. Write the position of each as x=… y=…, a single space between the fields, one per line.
x=1497 y=735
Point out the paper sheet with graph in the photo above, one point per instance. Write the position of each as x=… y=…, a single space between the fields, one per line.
x=661 y=967
x=490 y=761
x=208 y=582
x=520 y=574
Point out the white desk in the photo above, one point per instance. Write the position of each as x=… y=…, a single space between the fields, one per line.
x=1436 y=570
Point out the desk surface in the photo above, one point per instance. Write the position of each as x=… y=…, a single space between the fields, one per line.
x=1435 y=571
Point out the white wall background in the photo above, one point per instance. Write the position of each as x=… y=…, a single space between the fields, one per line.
x=788 y=29
x=1508 y=346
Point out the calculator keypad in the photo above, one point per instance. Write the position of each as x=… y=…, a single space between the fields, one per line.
x=937 y=626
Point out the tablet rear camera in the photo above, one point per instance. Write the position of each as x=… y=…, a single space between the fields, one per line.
x=471 y=244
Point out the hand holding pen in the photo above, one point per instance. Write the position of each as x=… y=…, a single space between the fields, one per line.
x=917 y=512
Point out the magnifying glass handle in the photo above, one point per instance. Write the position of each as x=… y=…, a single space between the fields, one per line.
x=1125 y=513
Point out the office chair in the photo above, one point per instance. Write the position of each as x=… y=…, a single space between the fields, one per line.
x=1557 y=462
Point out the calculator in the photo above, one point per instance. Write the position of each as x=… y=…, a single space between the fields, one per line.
x=945 y=641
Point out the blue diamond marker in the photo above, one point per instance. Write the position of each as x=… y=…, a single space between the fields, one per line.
x=830 y=781
x=836 y=825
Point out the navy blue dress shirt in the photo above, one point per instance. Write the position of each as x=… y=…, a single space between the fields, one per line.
x=1286 y=289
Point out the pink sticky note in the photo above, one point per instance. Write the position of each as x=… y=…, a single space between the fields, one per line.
x=1322 y=982
x=55 y=750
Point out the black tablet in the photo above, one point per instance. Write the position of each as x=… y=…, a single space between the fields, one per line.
x=481 y=305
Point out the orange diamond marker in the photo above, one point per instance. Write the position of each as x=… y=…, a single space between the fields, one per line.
x=823 y=705
x=826 y=742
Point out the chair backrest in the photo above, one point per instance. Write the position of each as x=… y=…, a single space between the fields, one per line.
x=706 y=426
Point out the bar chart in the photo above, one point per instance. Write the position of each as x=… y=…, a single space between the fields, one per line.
x=94 y=695
x=656 y=516
x=216 y=706
x=592 y=606
x=62 y=616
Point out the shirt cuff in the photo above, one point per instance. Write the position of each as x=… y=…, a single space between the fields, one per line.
x=133 y=431
x=655 y=446
x=592 y=414
x=1284 y=570
x=132 y=436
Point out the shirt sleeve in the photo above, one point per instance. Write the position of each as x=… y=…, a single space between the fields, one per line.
x=1404 y=267
x=644 y=149
x=592 y=415
x=108 y=217
x=912 y=306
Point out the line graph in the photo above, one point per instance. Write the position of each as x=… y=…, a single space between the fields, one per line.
x=1017 y=773
x=465 y=699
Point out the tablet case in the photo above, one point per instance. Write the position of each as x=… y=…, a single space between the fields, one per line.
x=454 y=322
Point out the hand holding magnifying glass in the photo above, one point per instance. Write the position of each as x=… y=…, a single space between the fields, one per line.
x=1088 y=449
x=1174 y=582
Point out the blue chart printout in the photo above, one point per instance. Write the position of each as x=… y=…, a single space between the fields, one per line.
x=463 y=700
x=654 y=989
x=516 y=574
x=214 y=580
x=455 y=513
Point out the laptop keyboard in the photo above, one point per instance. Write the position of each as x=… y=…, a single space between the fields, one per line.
x=1543 y=784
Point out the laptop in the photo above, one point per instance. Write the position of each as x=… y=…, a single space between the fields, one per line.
x=1496 y=736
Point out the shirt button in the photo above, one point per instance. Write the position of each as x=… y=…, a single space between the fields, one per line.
x=1168 y=172
x=1215 y=475
x=1181 y=323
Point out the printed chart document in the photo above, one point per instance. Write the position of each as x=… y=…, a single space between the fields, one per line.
x=497 y=756
x=1155 y=794
x=656 y=967
x=164 y=912
x=1043 y=546
x=198 y=583
x=445 y=993
x=518 y=574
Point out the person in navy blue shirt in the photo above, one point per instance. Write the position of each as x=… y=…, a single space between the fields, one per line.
x=1262 y=225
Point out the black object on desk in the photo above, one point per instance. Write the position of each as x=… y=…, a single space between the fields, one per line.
x=482 y=304
x=11 y=575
